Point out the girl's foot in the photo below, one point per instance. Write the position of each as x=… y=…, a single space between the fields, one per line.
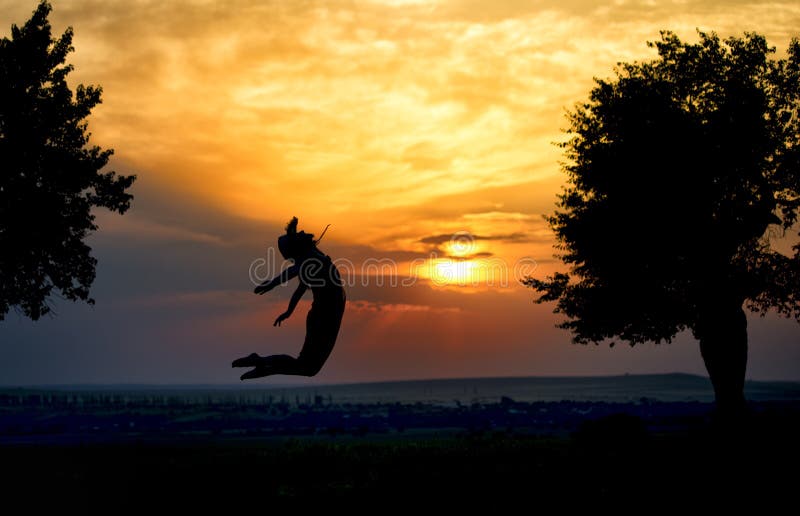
x=251 y=360
x=258 y=372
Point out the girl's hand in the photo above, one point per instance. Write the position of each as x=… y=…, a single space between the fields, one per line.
x=281 y=318
x=261 y=289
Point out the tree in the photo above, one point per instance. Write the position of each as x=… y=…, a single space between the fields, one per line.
x=679 y=170
x=50 y=177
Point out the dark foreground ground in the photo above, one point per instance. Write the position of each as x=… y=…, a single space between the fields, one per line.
x=644 y=455
x=656 y=472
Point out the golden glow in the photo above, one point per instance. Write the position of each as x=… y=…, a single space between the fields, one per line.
x=444 y=272
x=453 y=272
x=478 y=274
x=460 y=247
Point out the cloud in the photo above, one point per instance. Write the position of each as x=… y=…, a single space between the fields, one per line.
x=499 y=216
x=133 y=227
x=367 y=306
x=469 y=257
x=454 y=237
x=261 y=108
x=215 y=298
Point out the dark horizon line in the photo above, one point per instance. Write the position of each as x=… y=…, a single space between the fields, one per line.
x=266 y=386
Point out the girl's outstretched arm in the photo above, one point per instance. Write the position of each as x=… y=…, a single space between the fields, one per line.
x=283 y=277
x=301 y=289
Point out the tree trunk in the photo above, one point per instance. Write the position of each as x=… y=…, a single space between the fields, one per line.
x=723 y=344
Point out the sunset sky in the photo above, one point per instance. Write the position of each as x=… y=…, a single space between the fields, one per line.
x=400 y=123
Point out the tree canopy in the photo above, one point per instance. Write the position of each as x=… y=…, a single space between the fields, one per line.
x=679 y=170
x=50 y=176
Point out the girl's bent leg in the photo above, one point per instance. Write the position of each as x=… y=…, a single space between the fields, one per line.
x=282 y=364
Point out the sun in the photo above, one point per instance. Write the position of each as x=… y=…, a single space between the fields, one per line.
x=461 y=246
x=446 y=271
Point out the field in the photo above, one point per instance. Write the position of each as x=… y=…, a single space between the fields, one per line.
x=89 y=447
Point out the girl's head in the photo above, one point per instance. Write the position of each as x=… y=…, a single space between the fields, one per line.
x=294 y=245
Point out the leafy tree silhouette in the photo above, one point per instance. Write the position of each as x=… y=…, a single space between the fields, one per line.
x=679 y=170
x=50 y=177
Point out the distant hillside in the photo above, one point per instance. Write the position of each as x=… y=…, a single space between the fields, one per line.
x=662 y=387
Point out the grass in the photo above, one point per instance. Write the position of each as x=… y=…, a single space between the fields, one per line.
x=613 y=461
x=586 y=469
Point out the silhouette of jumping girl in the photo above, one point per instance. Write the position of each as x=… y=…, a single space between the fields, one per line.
x=316 y=271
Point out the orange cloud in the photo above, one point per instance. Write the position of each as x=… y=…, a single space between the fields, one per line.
x=340 y=113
